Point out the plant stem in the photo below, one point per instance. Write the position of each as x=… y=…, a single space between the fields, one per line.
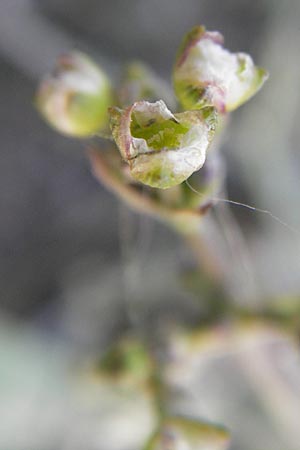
x=207 y=261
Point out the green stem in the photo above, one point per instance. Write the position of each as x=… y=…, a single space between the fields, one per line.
x=207 y=261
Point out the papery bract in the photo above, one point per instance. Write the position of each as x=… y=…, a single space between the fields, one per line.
x=161 y=148
x=205 y=73
x=74 y=99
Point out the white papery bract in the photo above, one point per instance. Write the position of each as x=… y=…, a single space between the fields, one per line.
x=206 y=74
x=74 y=99
x=161 y=148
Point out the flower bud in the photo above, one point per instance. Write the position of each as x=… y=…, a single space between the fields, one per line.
x=206 y=74
x=74 y=99
x=139 y=82
x=161 y=148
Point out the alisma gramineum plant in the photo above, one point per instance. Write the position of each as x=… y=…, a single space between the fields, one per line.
x=158 y=140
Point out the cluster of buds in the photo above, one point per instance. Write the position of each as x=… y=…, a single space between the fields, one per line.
x=162 y=139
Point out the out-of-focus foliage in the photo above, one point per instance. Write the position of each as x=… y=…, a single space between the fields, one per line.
x=177 y=433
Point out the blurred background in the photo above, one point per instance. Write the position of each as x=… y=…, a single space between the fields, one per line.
x=67 y=274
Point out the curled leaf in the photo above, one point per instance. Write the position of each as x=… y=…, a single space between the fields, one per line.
x=205 y=73
x=74 y=99
x=161 y=148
